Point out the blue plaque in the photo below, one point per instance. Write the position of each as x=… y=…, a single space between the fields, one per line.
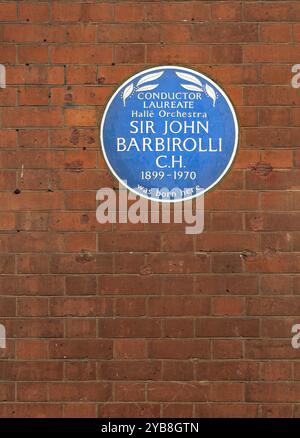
x=169 y=134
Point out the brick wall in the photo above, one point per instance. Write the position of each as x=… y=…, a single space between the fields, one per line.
x=143 y=320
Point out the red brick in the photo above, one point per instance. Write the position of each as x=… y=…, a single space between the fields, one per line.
x=277 y=241
x=37 y=327
x=131 y=33
x=76 y=54
x=130 y=241
x=229 y=11
x=133 y=53
x=34 y=410
x=80 y=328
x=276 y=284
x=276 y=371
x=130 y=392
x=226 y=221
x=279 y=327
x=181 y=54
x=129 y=410
x=278 y=159
x=178 y=328
x=31 y=349
x=282 y=11
x=117 y=328
x=80 y=349
x=270 y=349
x=178 y=306
x=83 y=242
x=271 y=53
x=34 y=13
x=225 y=33
x=227 y=263
x=228 y=306
x=8 y=97
x=7 y=264
x=238 y=201
x=228 y=370
x=275 y=306
x=81 y=33
x=280 y=33
x=78 y=285
x=32 y=392
x=277 y=411
x=129 y=349
x=64 y=12
x=7 y=392
x=80 y=410
x=227 y=410
x=17 y=33
x=184 y=369
x=129 y=12
x=230 y=54
x=228 y=327
x=276 y=392
x=180 y=410
x=224 y=392
x=130 y=306
x=178 y=349
x=82 y=263
x=32 y=306
x=79 y=307
x=176 y=264
x=33 y=54
x=80 y=370
x=8 y=139
x=114 y=73
x=227 y=349
x=177 y=33
x=130 y=370
x=128 y=284
x=177 y=11
x=8 y=11
x=80 y=391
x=7 y=180
x=37 y=75
x=31 y=371
x=8 y=54
x=182 y=392
x=33 y=96
x=80 y=96
x=221 y=241
x=80 y=117
x=81 y=74
x=275 y=74
x=32 y=117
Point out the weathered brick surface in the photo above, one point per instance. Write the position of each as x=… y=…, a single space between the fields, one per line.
x=143 y=320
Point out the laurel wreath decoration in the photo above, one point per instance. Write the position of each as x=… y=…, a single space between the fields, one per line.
x=211 y=93
x=196 y=85
x=148 y=78
x=190 y=78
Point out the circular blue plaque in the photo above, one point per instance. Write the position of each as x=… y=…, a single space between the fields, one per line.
x=169 y=134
